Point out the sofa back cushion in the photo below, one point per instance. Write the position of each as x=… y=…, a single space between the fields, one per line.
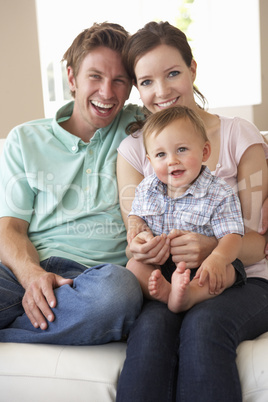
x=2 y=141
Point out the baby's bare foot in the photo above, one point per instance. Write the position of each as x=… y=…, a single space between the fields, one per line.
x=159 y=288
x=180 y=295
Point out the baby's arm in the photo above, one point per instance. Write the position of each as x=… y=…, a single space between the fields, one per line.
x=214 y=266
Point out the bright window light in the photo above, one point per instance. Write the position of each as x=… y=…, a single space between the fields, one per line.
x=224 y=35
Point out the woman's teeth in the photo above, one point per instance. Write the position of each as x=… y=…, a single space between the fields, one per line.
x=167 y=104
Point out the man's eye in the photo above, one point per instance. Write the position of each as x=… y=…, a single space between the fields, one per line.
x=121 y=82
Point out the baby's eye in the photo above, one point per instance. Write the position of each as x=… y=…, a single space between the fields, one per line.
x=182 y=149
x=160 y=154
x=174 y=73
x=145 y=83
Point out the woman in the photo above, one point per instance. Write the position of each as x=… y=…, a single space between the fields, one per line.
x=191 y=356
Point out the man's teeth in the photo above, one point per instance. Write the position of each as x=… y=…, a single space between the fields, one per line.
x=102 y=105
x=167 y=104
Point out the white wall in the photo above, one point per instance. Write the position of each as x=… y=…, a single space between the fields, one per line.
x=21 y=88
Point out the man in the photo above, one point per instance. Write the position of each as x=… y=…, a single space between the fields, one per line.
x=61 y=231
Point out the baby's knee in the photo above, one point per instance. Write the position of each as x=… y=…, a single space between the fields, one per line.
x=131 y=265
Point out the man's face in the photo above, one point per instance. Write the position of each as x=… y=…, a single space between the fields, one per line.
x=101 y=88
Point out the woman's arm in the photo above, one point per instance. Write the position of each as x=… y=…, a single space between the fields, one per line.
x=252 y=177
x=128 y=179
x=142 y=248
x=264 y=220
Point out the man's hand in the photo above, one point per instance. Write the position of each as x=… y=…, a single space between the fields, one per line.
x=39 y=298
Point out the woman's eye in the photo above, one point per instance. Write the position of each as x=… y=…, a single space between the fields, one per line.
x=145 y=83
x=174 y=73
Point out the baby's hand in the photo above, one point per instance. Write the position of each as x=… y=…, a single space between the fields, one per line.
x=213 y=270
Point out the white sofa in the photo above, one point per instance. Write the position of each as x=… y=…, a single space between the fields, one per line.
x=31 y=372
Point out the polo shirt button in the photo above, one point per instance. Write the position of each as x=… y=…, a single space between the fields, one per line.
x=88 y=171
x=74 y=148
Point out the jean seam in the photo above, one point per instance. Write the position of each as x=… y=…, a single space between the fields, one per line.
x=10 y=306
x=174 y=363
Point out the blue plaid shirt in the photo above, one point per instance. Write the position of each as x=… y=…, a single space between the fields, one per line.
x=209 y=206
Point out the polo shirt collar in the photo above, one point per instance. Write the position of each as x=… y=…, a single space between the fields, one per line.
x=70 y=141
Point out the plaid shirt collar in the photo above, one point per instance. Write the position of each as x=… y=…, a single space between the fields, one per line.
x=198 y=189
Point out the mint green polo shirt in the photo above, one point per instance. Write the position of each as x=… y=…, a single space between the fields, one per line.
x=66 y=189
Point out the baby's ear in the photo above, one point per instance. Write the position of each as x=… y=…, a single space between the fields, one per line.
x=206 y=151
x=148 y=157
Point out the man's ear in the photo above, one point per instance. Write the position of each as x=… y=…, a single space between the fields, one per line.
x=71 y=79
x=206 y=151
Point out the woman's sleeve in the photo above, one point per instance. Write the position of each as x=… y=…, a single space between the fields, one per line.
x=244 y=135
x=132 y=150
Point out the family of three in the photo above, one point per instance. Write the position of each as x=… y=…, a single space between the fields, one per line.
x=64 y=190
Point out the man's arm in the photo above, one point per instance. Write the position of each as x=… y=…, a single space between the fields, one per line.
x=20 y=256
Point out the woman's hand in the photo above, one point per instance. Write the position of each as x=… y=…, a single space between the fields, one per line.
x=135 y=226
x=149 y=249
x=193 y=248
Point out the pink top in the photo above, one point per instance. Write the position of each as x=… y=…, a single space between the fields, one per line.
x=236 y=136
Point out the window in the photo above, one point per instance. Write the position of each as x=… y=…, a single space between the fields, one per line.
x=224 y=37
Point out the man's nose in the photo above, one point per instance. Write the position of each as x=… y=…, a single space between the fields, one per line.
x=106 y=89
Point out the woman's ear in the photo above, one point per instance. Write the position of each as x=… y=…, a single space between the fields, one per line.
x=206 y=151
x=193 y=69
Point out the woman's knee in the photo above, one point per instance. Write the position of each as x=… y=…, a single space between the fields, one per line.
x=205 y=324
x=156 y=326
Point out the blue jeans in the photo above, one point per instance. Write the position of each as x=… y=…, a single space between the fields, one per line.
x=100 y=307
x=190 y=357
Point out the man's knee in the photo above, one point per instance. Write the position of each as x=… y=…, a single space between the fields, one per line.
x=113 y=284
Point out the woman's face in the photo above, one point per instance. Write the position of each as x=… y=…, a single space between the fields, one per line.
x=164 y=80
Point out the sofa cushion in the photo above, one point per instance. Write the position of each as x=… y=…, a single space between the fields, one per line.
x=60 y=373
x=252 y=363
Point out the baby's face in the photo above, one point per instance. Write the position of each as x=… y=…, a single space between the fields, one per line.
x=176 y=154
